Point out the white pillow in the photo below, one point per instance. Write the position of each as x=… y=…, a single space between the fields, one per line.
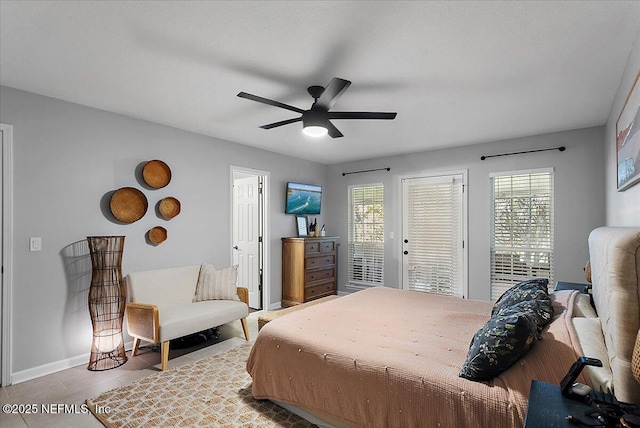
x=591 y=341
x=217 y=284
x=582 y=307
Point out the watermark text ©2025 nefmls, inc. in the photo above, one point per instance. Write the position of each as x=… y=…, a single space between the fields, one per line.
x=51 y=409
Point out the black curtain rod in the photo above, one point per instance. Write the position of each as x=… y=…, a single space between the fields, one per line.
x=561 y=148
x=366 y=170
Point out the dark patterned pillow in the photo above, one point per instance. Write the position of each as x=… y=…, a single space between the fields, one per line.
x=539 y=310
x=531 y=289
x=499 y=344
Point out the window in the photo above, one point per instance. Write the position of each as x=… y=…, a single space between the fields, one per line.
x=521 y=228
x=366 y=235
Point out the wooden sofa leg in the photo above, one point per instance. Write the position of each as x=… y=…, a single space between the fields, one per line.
x=245 y=328
x=136 y=345
x=164 y=352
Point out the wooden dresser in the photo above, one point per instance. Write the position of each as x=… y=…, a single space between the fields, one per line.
x=308 y=269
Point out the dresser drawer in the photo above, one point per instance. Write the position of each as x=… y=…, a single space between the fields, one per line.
x=318 y=290
x=318 y=275
x=312 y=248
x=328 y=247
x=318 y=262
x=319 y=247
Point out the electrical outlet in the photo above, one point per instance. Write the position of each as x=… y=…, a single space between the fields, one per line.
x=35 y=244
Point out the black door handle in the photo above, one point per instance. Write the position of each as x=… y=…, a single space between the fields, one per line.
x=406 y=252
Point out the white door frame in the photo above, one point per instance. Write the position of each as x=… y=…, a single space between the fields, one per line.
x=7 y=251
x=266 y=280
x=398 y=214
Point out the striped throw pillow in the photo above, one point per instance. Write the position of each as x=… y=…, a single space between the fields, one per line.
x=217 y=284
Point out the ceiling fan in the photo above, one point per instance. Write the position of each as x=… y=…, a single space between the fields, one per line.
x=315 y=121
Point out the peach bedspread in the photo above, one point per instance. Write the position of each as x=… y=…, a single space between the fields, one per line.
x=384 y=357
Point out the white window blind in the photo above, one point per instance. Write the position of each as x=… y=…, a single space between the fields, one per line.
x=433 y=232
x=521 y=228
x=366 y=235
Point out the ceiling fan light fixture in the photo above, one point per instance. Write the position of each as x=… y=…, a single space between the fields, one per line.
x=315 y=131
x=313 y=123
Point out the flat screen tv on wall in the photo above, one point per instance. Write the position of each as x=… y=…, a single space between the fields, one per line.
x=303 y=199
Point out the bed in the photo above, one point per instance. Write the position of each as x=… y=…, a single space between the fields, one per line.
x=386 y=357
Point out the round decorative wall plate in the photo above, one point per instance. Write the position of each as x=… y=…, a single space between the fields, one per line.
x=128 y=204
x=156 y=174
x=157 y=235
x=169 y=207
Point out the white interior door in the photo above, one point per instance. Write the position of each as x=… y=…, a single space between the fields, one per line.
x=433 y=255
x=246 y=235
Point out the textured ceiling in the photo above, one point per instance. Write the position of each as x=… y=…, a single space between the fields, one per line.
x=457 y=73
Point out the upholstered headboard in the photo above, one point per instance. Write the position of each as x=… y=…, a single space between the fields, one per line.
x=615 y=273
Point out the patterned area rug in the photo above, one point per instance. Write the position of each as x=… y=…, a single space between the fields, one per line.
x=212 y=392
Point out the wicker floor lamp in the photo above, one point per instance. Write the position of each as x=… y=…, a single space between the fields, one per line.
x=107 y=299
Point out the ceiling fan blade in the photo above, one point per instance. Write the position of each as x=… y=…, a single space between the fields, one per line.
x=332 y=130
x=284 y=122
x=334 y=89
x=269 y=102
x=361 y=115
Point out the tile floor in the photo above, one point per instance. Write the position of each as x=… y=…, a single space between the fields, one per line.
x=73 y=386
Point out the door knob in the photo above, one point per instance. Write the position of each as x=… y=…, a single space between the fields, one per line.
x=235 y=247
x=405 y=252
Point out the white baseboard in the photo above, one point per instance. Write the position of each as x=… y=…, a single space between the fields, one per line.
x=56 y=366
x=275 y=306
x=350 y=288
x=47 y=369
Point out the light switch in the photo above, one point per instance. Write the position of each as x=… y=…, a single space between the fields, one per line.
x=35 y=244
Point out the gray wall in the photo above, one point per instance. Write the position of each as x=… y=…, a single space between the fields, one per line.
x=623 y=208
x=579 y=197
x=66 y=159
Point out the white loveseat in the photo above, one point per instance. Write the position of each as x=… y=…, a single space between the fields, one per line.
x=161 y=307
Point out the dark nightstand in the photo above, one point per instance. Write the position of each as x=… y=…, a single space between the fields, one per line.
x=548 y=408
x=583 y=288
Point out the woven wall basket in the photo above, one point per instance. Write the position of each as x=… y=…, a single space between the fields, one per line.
x=157 y=235
x=156 y=174
x=169 y=207
x=128 y=204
